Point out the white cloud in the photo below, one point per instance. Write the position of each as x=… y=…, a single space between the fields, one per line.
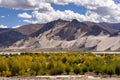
x=21 y=4
x=30 y=21
x=3 y=26
x=17 y=26
x=26 y=4
x=58 y=2
x=2 y=16
x=92 y=16
x=97 y=10
x=104 y=12
x=24 y=15
x=54 y=15
x=45 y=7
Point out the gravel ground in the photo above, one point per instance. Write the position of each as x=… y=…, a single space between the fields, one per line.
x=66 y=77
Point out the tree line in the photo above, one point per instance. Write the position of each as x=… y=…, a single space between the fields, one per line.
x=33 y=64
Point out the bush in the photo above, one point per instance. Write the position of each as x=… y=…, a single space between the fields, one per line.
x=84 y=69
x=108 y=69
x=68 y=69
x=77 y=69
x=60 y=68
x=117 y=69
x=4 y=69
x=64 y=60
x=35 y=68
x=16 y=68
x=58 y=64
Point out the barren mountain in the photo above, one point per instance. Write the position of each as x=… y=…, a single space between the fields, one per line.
x=71 y=35
x=111 y=25
x=8 y=36
x=29 y=29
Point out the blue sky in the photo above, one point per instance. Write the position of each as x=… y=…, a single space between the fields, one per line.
x=14 y=13
x=70 y=6
x=10 y=18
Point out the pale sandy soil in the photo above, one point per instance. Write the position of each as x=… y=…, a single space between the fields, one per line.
x=63 y=77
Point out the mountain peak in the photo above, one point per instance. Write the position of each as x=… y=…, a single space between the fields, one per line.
x=62 y=34
x=59 y=20
x=75 y=21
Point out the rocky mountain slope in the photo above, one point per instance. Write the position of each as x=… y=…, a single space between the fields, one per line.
x=29 y=29
x=111 y=25
x=70 y=35
x=9 y=36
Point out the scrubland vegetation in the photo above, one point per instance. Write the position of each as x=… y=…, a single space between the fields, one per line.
x=32 y=64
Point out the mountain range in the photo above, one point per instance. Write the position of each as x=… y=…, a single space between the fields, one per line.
x=62 y=35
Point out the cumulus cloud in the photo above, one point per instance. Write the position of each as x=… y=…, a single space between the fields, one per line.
x=3 y=26
x=97 y=10
x=54 y=15
x=45 y=7
x=21 y=4
x=107 y=14
x=30 y=21
x=17 y=26
x=24 y=15
x=26 y=4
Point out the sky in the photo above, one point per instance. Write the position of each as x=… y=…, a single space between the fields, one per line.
x=14 y=13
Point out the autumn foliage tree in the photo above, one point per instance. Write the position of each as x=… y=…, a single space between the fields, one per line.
x=33 y=64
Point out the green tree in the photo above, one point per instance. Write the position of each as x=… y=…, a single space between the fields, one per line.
x=35 y=68
x=60 y=68
x=68 y=69
x=16 y=68
x=77 y=69
x=84 y=68
x=4 y=68
x=109 y=69
x=64 y=60
x=117 y=69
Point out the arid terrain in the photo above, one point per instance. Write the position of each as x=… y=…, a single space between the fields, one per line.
x=62 y=35
x=64 y=77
